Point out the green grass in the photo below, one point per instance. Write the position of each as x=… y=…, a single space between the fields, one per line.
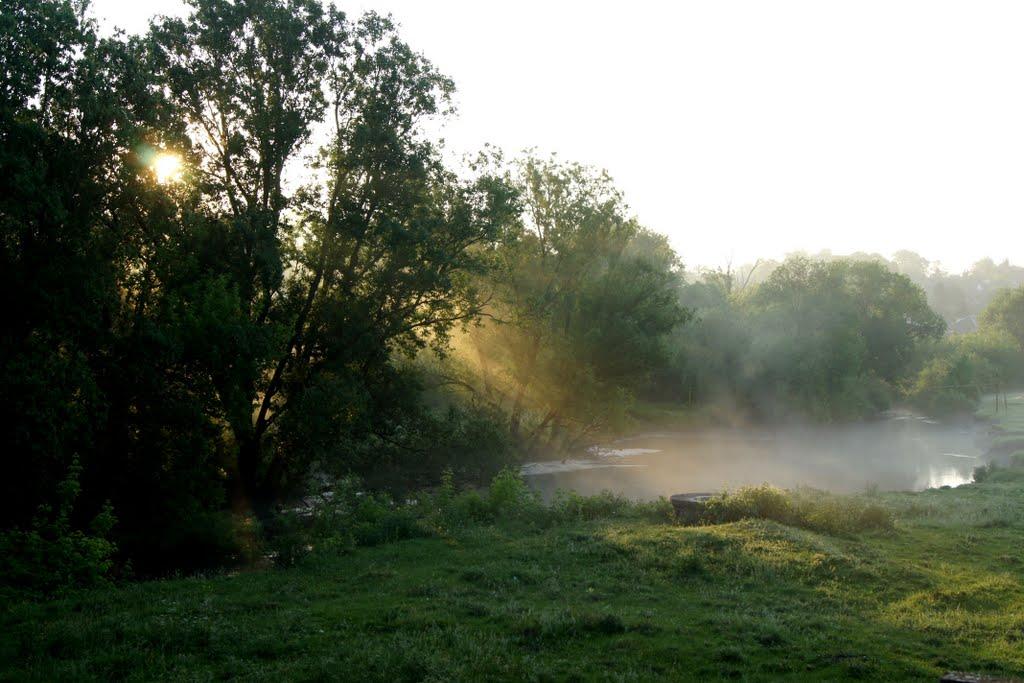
x=613 y=598
x=1008 y=420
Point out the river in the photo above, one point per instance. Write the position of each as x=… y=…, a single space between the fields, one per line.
x=902 y=452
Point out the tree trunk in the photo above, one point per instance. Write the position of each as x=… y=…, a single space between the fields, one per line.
x=246 y=494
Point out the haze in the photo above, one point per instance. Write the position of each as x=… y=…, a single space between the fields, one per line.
x=745 y=130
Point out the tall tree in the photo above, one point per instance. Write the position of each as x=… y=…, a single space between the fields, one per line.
x=582 y=301
x=321 y=284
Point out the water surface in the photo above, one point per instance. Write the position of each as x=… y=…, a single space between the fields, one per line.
x=899 y=453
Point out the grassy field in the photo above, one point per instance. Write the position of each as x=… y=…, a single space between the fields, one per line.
x=617 y=598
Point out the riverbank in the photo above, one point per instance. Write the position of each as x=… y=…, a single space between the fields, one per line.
x=617 y=596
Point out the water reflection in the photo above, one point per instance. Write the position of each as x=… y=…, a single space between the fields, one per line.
x=901 y=453
x=937 y=477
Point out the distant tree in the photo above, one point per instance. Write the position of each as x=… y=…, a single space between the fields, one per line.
x=828 y=338
x=1006 y=314
x=913 y=265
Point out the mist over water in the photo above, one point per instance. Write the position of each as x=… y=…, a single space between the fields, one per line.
x=899 y=453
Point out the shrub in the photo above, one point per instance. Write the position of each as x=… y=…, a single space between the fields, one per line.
x=875 y=517
x=197 y=539
x=814 y=510
x=336 y=520
x=51 y=557
x=763 y=502
x=510 y=498
x=288 y=539
x=570 y=506
x=983 y=472
x=660 y=510
x=343 y=516
x=949 y=384
x=468 y=507
x=833 y=514
x=469 y=441
x=509 y=495
x=377 y=519
x=993 y=473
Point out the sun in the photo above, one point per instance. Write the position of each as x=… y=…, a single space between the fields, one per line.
x=167 y=167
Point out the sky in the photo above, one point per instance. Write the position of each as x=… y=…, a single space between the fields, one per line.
x=748 y=129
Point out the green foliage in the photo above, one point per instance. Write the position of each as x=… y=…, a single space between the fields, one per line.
x=471 y=440
x=570 y=506
x=833 y=330
x=343 y=516
x=377 y=519
x=763 y=502
x=1006 y=314
x=958 y=297
x=508 y=498
x=949 y=385
x=963 y=369
x=203 y=344
x=336 y=520
x=508 y=494
x=984 y=472
x=825 y=339
x=583 y=300
x=316 y=292
x=51 y=556
x=815 y=510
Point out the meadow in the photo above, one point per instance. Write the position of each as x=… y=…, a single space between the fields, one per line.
x=599 y=589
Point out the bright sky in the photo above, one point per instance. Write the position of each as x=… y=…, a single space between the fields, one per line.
x=747 y=129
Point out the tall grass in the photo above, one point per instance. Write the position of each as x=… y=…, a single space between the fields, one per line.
x=805 y=508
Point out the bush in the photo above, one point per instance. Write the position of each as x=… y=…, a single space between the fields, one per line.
x=342 y=517
x=763 y=502
x=952 y=382
x=469 y=441
x=508 y=495
x=51 y=557
x=993 y=473
x=337 y=519
x=660 y=510
x=875 y=517
x=571 y=506
x=814 y=510
x=194 y=539
x=377 y=519
x=984 y=472
x=509 y=498
x=832 y=514
x=288 y=539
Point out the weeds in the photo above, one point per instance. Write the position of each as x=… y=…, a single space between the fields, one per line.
x=805 y=508
x=342 y=518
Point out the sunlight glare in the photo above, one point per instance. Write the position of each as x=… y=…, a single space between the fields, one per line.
x=167 y=167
